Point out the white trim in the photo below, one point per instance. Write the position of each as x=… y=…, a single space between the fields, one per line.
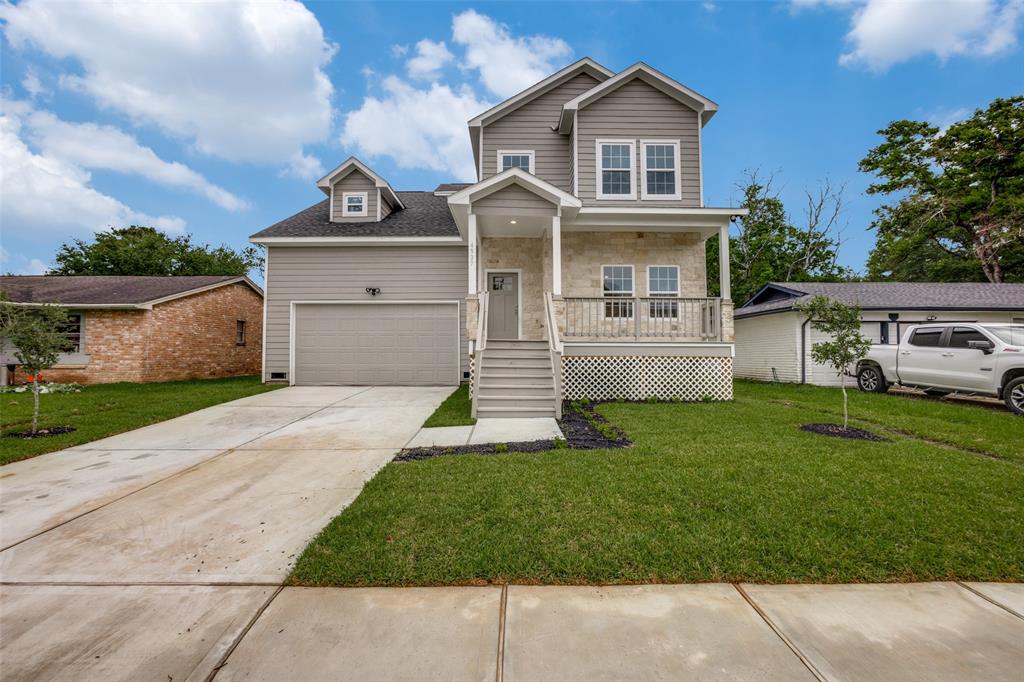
x=458 y=327
x=651 y=294
x=644 y=195
x=499 y=160
x=364 y=213
x=327 y=182
x=575 y=161
x=724 y=277
x=378 y=205
x=700 y=160
x=599 y=181
x=330 y=210
x=556 y=255
x=622 y=295
x=359 y=241
x=519 y=295
x=263 y=324
x=480 y=162
x=518 y=176
x=472 y=256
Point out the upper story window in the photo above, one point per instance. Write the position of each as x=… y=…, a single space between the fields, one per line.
x=663 y=281
x=617 y=281
x=615 y=169
x=73 y=333
x=660 y=161
x=354 y=204
x=515 y=159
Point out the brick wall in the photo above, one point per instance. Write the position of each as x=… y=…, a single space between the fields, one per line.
x=187 y=338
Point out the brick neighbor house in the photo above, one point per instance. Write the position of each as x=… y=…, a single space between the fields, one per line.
x=146 y=329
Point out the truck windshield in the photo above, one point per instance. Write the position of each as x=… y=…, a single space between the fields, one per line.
x=1012 y=334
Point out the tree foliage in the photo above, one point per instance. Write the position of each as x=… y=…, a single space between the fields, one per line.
x=36 y=335
x=139 y=250
x=958 y=209
x=846 y=345
x=771 y=246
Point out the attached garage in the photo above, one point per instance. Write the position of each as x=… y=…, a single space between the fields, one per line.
x=376 y=343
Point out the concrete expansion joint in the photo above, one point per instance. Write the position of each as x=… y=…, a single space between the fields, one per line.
x=778 y=632
x=241 y=635
x=989 y=599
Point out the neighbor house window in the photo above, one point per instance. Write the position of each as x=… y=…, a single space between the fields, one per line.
x=660 y=167
x=663 y=281
x=515 y=159
x=240 y=333
x=73 y=333
x=615 y=169
x=354 y=203
x=617 y=282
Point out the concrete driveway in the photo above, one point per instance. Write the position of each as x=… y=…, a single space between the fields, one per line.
x=138 y=556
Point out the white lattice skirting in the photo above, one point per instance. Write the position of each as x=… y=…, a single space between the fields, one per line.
x=633 y=377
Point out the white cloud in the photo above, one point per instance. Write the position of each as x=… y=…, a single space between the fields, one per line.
x=944 y=118
x=44 y=195
x=243 y=81
x=507 y=64
x=33 y=86
x=104 y=147
x=17 y=264
x=399 y=50
x=888 y=32
x=429 y=59
x=417 y=128
x=305 y=167
x=709 y=6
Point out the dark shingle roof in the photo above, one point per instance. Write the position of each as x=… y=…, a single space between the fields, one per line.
x=452 y=186
x=893 y=295
x=103 y=289
x=424 y=215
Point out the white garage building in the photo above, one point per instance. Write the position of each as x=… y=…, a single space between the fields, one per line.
x=773 y=339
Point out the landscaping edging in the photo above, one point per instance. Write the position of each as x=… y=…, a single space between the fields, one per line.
x=837 y=431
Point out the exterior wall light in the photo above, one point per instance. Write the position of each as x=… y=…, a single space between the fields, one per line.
x=373 y=291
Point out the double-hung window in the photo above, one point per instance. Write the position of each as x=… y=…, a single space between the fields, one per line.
x=522 y=158
x=617 y=282
x=73 y=333
x=660 y=167
x=663 y=282
x=615 y=163
x=354 y=204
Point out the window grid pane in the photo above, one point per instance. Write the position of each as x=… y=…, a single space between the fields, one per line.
x=618 y=280
x=515 y=161
x=661 y=182
x=664 y=281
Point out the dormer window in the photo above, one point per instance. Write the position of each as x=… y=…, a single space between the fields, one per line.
x=355 y=204
x=515 y=159
x=660 y=166
x=616 y=162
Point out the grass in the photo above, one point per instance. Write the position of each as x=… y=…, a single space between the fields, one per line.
x=106 y=409
x=456 y=410
x=710 y=492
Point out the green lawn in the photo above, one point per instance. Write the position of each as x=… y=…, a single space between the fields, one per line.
x=106 y=409
x=710 y=492
x=454 y=411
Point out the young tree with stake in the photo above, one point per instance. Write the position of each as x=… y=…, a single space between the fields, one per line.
x=846 y=345
x=37 y=335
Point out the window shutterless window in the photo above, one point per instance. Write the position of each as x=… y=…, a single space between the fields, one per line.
x=663 y=281
x=521 y=158
x=659 y=160
x=73 y=333
x=354 y=204
x=615 y=163
x=240 y=333
x=617 y=282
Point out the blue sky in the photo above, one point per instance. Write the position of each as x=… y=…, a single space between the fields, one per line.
x=215 y=119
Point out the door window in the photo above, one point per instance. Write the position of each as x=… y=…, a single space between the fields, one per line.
x=928 y=338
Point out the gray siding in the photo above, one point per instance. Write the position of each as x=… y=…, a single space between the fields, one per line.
x=513 y=200
x=385 y=206
x=638 y=111
x=355 y=182
x=342 y=273
x=529 y=127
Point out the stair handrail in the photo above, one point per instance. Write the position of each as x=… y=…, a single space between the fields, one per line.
x=555 y=349
x=481 y=322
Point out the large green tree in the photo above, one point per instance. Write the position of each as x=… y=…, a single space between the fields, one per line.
x=770 y=245
x=139 y=250
x=957 y=212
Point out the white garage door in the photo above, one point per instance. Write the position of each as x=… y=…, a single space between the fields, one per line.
x=377 y=344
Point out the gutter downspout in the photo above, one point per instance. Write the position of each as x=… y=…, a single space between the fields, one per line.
x=803 y=351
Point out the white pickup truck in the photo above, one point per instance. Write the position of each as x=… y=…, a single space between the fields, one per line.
x=976 y=359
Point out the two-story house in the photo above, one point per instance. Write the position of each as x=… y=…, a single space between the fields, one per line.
x=573 y=268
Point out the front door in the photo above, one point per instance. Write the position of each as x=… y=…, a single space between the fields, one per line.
x=503 y=305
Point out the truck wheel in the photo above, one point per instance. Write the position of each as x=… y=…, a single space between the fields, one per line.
x=1013 y=394
x=871 y=380
x=936 y=392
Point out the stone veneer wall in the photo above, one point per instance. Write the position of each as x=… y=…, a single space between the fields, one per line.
x=527 y=255
x=187 y=338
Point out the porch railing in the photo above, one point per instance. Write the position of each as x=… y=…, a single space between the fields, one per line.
x=667 y=318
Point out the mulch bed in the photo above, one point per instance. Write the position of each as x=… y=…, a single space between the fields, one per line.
x=579 y=423
x=41 y=433
x=837 y=431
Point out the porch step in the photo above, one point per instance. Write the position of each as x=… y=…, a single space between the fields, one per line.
x=514 y=412
x=525 y=353
x=539 y=402
x=524 y=389
x=509 y=376
x=516 y=379
x=493 y=345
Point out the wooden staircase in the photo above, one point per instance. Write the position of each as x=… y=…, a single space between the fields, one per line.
x=515 y=379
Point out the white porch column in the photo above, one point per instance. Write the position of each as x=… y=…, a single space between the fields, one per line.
x=724 y=278
x=472 y=243
x=556 y=255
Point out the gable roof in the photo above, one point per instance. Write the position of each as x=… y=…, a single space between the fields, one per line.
x=425 y=215
x=649 y=75
x=111 y=291
x=461 y=200
x=352 y=164
x=777 y=297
